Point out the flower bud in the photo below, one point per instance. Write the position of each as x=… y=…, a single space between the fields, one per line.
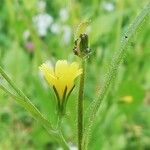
x=81 y=48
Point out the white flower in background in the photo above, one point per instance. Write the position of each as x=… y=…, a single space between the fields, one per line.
x=42 y=22
x=41 y=5
x=55 y=28
x=65 y=30
x=108 y=6
x=64 y=14
x=66 y=34
x=71 y=147
x=26 y=34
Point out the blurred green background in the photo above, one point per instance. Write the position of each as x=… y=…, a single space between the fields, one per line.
x=32 y=32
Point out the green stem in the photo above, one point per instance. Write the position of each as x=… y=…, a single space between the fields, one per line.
x=80 y=107
x=27 y=104
x=60 y=131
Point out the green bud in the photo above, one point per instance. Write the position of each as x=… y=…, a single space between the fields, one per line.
x=81 y=48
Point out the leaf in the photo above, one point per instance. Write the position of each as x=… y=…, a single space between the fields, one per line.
x=126 y=38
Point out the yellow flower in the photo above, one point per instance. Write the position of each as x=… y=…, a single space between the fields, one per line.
x=127 y=99
x=62 y=77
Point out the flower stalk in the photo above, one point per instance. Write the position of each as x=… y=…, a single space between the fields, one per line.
x=81 y=106
x=82 y=50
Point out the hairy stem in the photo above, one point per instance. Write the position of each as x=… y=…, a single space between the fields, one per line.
x=80 y=107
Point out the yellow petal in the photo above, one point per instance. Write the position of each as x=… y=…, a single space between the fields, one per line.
x=48 y=73
x=63 y=76
x=60 y=87
x=74 y=70
x=61 y=68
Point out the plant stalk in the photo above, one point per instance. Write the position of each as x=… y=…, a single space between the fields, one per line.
x=81 y=107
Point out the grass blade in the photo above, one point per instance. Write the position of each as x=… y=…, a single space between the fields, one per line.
x=35 y=113
x=126 y=38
